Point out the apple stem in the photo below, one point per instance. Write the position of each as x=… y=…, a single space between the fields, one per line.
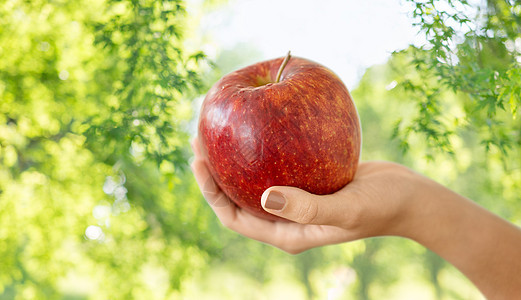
x=282 y=66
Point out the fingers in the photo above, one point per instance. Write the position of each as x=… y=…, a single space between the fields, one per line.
x=228 y=213
x=302 y=207
x=210 y=190
x=219 y=202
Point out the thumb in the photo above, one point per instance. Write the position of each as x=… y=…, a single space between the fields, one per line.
x=298 y=205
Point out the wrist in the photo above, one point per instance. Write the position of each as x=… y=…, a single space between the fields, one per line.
x=436 y=215
x=424 y=209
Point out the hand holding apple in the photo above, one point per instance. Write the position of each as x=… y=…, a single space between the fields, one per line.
x=286 y=122
x=375 y=203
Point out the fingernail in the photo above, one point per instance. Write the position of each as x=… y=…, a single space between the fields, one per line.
x=275 y=201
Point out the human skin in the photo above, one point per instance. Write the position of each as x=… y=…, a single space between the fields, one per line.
x=384 y=199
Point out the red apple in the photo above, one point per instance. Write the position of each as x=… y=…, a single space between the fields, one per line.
x=299 y=129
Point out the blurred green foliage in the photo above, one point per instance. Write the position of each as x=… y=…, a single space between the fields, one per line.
x=95 y=109
x=474 y=51
x=94 y=100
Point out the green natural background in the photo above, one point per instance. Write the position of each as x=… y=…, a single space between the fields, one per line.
x=96 y=197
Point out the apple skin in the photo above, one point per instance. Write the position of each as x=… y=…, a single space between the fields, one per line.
x=303 y=131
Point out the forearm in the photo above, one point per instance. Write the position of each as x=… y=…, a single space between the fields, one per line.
x=484 y=247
